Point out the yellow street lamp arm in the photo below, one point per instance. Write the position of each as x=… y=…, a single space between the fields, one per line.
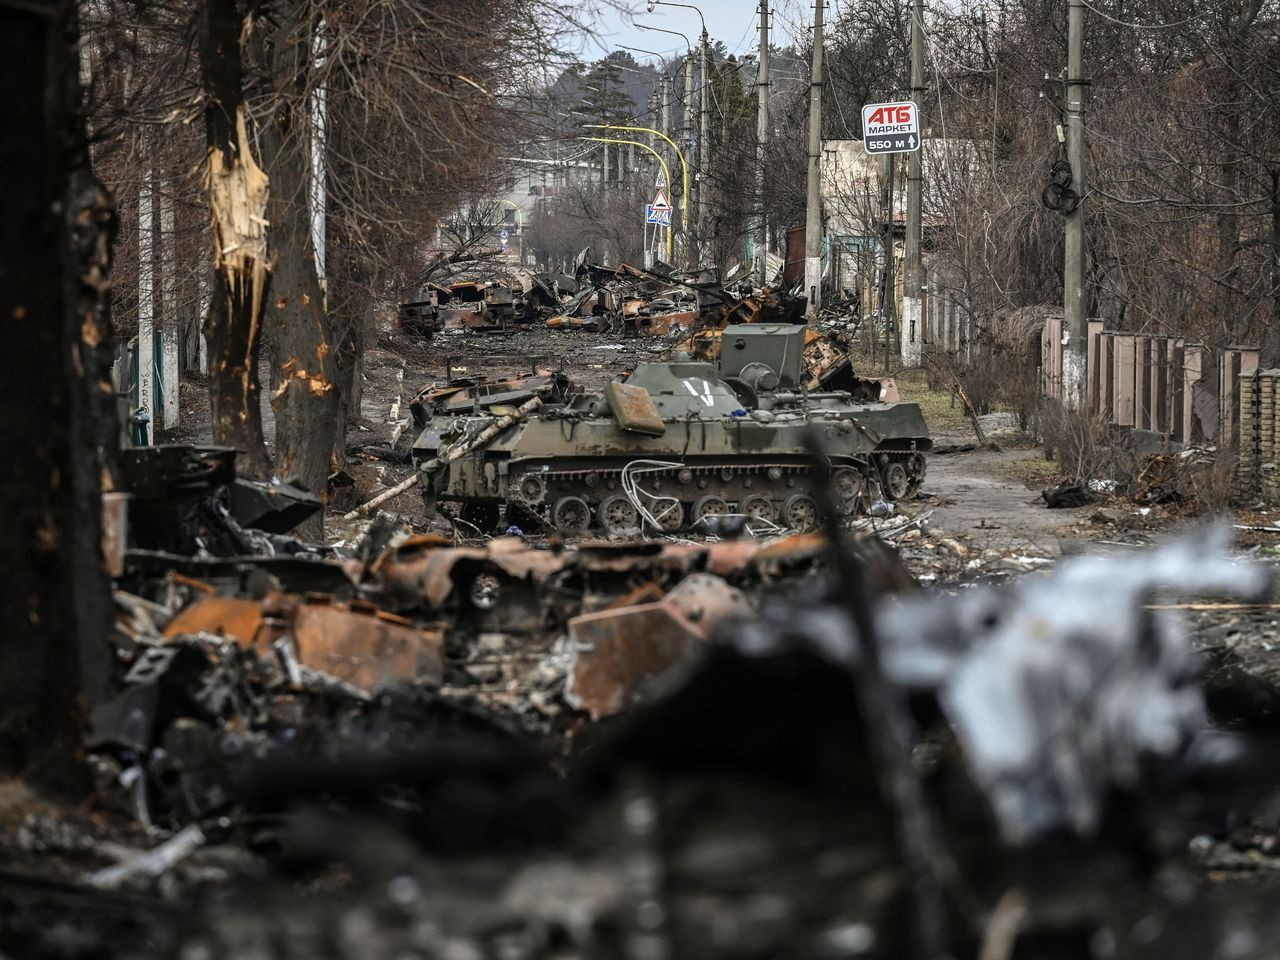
x=684 y=166
x=666 y=172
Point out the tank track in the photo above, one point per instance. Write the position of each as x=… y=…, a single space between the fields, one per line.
x=578 y=501
x=687 y=497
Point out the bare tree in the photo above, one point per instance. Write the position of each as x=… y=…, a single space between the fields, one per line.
x=238 y=192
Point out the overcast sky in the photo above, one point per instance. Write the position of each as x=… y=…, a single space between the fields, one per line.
x=735 y=22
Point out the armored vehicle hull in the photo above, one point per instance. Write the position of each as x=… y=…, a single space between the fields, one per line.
x=676 y=447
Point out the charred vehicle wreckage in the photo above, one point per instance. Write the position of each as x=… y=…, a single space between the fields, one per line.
x=406 y=747
x=678 y=445
x=624 y=299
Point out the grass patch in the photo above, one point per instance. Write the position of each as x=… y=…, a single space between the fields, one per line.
x=940 y=412
x=1033 y=471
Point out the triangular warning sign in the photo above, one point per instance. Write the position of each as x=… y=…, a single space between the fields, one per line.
x=660 y=201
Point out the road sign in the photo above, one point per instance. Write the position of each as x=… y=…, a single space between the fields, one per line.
x=661 y=181
x=890 y=128
x=503 y=235
x=660 y=201
x=654 y=215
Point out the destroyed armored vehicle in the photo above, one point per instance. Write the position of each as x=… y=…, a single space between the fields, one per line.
x=462 y=306
x=674 y=447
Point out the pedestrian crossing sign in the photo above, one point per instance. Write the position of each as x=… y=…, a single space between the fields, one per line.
x=653 y=215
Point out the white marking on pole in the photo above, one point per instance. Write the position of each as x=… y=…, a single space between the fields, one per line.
x=911 y=331
x=146 y=303
x=317 y=197
x=168 y=314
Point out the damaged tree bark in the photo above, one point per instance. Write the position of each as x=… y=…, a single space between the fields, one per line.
x=238 y=193
x=307 y=403
x=56 y=400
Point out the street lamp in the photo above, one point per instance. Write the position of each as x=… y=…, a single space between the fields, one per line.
x=687 y=6
x=651 y=53
x=688 y=78
x=684 y=167
x=666 y=172
x=703 y=155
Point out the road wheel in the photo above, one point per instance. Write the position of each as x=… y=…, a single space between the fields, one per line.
x=800 y=512
x=669 y=513
x=916 y=468
x=618 y=515
x=756 y=507
x=571 y=516
x=850 y=488
x=709 y=506
x=894 y=481
x=532 y=488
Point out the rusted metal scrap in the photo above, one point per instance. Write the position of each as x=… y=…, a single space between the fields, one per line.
x=508 y=585
x=185 y=500
x=618 y=652
x=355 y=642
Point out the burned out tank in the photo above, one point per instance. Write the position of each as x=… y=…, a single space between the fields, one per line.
x=674 y=447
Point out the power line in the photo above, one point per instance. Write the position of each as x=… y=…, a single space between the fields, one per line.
x=933 y=45
x=1142 y=26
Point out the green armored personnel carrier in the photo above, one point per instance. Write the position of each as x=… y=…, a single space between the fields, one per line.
x=675 y=446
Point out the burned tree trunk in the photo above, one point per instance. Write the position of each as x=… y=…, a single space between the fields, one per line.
x=55 y=400
x=347 y=284
x=238 y=192
x=1271 y=339
x=348 y=265
x=306 y=403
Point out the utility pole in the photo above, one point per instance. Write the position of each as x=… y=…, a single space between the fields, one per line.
x=688 y=104
x=169 y=406
x=760 y=240
x=1075 y=305
x=813 y=201
x=688 y=254
x=666 y=130
x=666 y=103
x=911 y=333
x=889 y=302
x=704 y=148
x=146 y=303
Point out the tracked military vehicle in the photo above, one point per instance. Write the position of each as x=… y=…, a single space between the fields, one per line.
x=674 y=447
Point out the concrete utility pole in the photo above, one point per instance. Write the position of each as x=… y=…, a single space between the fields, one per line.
x=688 y=104
x=666 y=132
x=760 y=239
x=1075 y=304
x=889 y=303
x=168 y=314
x=146 y=302
x=813 y=201
x=704 y=147
x=666 y=104
x=912 y=315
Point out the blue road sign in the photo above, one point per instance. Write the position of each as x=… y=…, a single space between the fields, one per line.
x=660 y=217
